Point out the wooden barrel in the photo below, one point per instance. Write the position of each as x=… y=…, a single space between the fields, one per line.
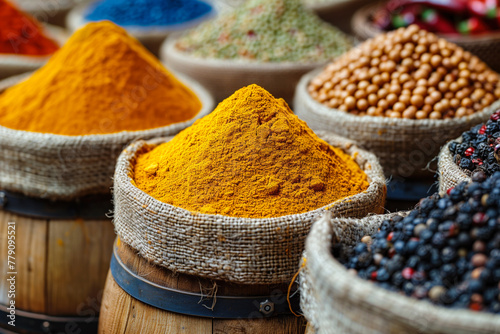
x=58 y=254
x=122 y=313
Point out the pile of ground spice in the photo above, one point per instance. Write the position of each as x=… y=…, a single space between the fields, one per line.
x=251 y=157
x=21 y=34
x=147 y=12
x=101 y=81
x=266 y=31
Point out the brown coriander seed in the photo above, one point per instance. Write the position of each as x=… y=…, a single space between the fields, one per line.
x=417 y=100
x=435 y=115
x=461 y=112
x=372 y=99
x=405 y=99
x=382 y=92
x=409 y=113
x=420 y=114
x=350 y=102
x=399 y=107
x=392 y=98
x=420 y=90
x=362 y=104
x=383 y=104
x=360 y=94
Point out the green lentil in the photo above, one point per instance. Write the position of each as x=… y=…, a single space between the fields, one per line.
x=266 y=31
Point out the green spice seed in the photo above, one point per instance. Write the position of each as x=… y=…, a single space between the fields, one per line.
x=267 y=31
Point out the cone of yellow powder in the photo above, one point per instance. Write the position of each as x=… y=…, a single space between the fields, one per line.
x=63 y=126
x=239 y=190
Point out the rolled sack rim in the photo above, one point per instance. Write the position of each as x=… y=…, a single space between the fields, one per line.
x=124 y=167
x=302 y=97
x=449 y=171
x=365 y=295
x=76 y=19
x=32 y=62
x=170 y=53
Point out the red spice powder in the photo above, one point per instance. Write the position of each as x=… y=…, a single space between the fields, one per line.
x=22 y=34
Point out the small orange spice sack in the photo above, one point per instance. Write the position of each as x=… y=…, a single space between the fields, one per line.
x=251 y=157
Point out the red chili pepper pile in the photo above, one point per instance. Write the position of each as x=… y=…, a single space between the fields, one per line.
x=460 y=17
x=21 y=34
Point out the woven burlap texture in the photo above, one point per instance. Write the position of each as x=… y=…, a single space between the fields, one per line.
x=66 y=167
x=404 y=146
x=450 y=174
x=223 y=77
x=343 y=303
x=240 y=250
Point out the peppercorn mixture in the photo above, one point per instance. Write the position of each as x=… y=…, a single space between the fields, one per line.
x=408 y=73
x=480 y=147
x=447 y=250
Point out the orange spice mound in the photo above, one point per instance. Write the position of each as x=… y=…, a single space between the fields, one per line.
x=251 y=157
x=101 y=81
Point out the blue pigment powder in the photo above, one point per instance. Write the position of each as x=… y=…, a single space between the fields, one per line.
x=147 y=12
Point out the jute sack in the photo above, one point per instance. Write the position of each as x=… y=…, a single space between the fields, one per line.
x=15 y=64
x=223 y=77
x=60 y=167
x=404 y=146
x=450 y=174
x=343 y=303
x=239 y=250
x=150 y=37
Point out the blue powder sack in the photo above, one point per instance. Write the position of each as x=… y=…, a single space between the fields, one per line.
x=147 y=13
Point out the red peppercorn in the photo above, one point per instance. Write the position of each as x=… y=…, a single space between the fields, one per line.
x=482 y=131
x=495 y=116
x=449 y=191
x=479 y=218
x=408 y=272
x=391 y=252
x=373 y=276
x=475 y=307
x=390 y=236
x=478 y=162
x=469 y=151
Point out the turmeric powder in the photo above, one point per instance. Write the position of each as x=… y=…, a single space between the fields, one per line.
x=251 y=157
x=101 y=81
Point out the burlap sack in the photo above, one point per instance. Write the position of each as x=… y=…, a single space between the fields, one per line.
x=150 y=37
x=450 y=174
x=224 y=77
x=338 y=302
x=404 y=146
x=16 y=64
x=62 y=167
x=240 y=250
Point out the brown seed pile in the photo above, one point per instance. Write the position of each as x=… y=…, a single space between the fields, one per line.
x=407 y=73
